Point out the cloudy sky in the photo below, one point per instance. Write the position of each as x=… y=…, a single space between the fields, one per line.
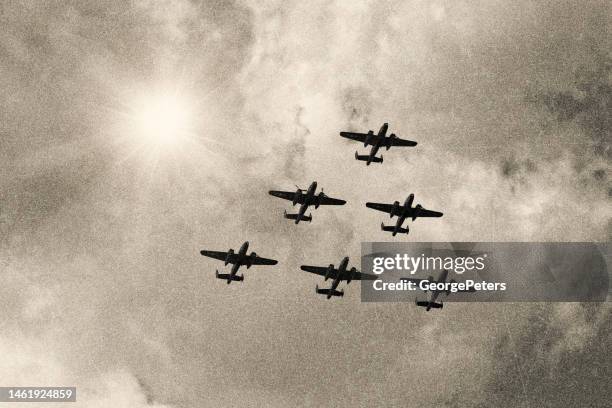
x=102 y=217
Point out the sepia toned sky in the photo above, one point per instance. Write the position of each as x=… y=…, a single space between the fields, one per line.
x=102 y=219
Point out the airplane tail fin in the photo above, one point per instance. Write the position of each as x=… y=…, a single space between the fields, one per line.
x=228 y=277
x=391 y=228
x=329 y=292
x=366 y=158
x=295 y=217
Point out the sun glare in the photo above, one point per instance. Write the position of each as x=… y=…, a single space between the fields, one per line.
x=162 y=120
x=161 y=126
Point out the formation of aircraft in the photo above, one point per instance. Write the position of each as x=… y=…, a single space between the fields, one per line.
x=431 y=303
x=309 y=197
x=402 y=212
x=342 y=273
x=305 y=198
x=376 y=141
x=237 y=259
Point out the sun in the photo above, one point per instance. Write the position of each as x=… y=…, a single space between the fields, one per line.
x=161 y=126
x=161 y=120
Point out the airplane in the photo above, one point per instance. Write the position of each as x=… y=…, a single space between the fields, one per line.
x=402 y=212
x=237 y=259
x=305 y=198
x=431 y=303
x=376 y=141
x=337 y=275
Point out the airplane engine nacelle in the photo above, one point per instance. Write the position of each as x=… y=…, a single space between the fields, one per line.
x=228 y=256
x=250 y=260
x=297 y=196
x=417 y=209
x=321 y=195
x=330 y=268
x=390 y=140
x=396 y=206
x=368 y=138
x=351 y=274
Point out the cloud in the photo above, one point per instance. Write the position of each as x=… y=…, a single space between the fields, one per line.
x=543 y=368
x=32 y=363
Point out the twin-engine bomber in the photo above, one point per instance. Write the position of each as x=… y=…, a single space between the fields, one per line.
x=431 y=303
x=376 y=141
x=338 y=275
x=237 y=259
x=306 y=198
x=402 y=212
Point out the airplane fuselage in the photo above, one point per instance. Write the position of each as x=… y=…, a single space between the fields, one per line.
x=398 y=225
x=377 y=143
x=242 y=256
x=333 y=287
x=404 y=213
x=432 y=301
x=379 y=137
x=436 y=293
x=309 y=199
x=341 y=272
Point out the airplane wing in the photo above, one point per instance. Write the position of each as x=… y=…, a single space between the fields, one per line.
x=422 y=212
x=388 y=208
x=363 y=276
x=218 y=255
x=263 y=261
x=320 y=270
x=360 y=137
x=286 y=195
x=396 y=141
x=325 y=200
